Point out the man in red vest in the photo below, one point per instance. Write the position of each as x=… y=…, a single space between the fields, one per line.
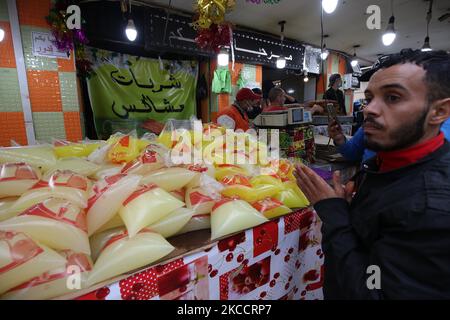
x=235 y=117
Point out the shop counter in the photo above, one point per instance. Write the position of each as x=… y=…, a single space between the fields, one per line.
x=281 y=259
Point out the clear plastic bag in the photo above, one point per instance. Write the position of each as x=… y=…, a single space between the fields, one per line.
x=123 y=254
x=172 y=223
x=170 y=179
x=66 y=185
x=55 y=223
x=16 y=178
x=145 y=206
x=271 y=208
x=106 y=198
x=22 y=259
x=40 y=156
x=230 y=215
x=54 y=283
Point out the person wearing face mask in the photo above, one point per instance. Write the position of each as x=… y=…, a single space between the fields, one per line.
x=334 y=93
x=235 y=117
x=256 y=111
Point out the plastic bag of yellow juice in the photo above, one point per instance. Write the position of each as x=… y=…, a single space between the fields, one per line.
x=5 y=208
x=197 y=222
x=179 y=194
x=99 y=239
x=106 y=197
x=231 y=215
x=115 y=222
x=172 y=223
x=16 y=178
x=55 y=223
x=271 y=208
x=41 y=156
x=79 y=150
x=170 y=179
x=61 y=184
x=22 y=259
x=107 y=170
x=54 y=283
x=77 y=165
x=201 y=169
x=292 y=196
x=151 y=159
x=223 y=170
x=200 y=200
x=122 y=254
x=145 y=206
x=240 y=187
x=124 y=148
x=265 y=179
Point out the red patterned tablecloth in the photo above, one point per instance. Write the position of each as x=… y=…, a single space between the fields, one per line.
x=281 y=259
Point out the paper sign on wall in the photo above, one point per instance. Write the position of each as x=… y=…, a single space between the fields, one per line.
x=43 y=44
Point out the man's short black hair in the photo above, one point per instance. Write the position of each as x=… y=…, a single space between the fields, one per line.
x=435 y=63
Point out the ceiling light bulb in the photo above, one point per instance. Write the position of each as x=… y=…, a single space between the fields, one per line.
x=223 y=58
x=354 y=62
x=389 y=36
x=324 y=55
x=2 y=34
x=281 y=62
x=306 y=79
x=329 y=5
x=131 y=31
x=426 y=45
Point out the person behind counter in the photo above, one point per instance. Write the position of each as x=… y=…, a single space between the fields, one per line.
x=334 y=93
x=256 y=110
x=235 y=117
x=395 y=214
x=277 y=100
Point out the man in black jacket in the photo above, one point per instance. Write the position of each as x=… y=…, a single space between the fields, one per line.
x=386 y=234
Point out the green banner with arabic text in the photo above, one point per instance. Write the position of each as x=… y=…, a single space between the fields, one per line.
x=126 y=91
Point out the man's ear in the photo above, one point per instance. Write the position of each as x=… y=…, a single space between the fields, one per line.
x=440 y=112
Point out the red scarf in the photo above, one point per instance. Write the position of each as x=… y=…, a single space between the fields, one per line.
x=396 y=159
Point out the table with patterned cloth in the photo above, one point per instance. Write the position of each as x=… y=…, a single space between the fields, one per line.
x=281 y=259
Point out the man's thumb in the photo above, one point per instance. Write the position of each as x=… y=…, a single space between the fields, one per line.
x=337 y=183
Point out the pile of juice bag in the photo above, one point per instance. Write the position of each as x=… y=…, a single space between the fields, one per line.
x=73 y=215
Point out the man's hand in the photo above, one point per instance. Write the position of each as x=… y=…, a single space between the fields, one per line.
x=317 y=109
x=335 y=133
x=316 y=189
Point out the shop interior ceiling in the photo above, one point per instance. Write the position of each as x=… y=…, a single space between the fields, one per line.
x=345 y=27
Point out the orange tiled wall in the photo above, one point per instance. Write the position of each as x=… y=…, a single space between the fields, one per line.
x=52 y=83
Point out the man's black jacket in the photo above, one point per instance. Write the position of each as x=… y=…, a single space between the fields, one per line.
x=398 y=221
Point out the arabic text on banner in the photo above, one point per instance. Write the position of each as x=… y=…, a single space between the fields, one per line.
x=128 y=90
